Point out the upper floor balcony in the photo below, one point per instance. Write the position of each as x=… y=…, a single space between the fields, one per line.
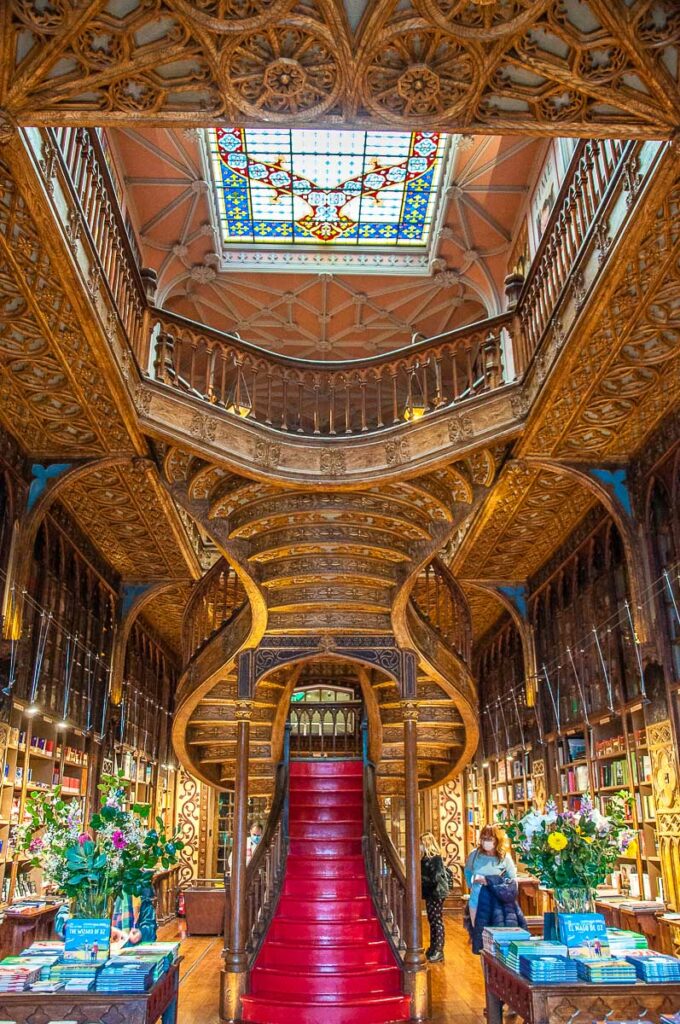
x=430 y=382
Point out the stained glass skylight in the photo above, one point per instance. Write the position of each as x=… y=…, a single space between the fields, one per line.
x=326 y=189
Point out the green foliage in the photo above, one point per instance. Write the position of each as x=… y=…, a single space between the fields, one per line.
x=116 y=853
x=572 y=849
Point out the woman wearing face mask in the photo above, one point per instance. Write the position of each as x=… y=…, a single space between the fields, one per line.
x=252 y=842
x=491 y=875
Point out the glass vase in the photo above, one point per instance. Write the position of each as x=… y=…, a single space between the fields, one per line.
x=574 y=900
x=90 y=903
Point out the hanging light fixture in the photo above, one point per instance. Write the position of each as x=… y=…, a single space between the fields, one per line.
x=238 y=401
x=416 y=405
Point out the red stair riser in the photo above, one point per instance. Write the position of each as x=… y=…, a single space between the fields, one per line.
x=325 y=957
x=323 y=848
x=329 y=910
x=325 y=888
x=326 y=933
x=325 y=867
x=324 y=768
x=274 y=1012
x=326 y=784
x=379 y=981
x=326 y=830
x=328 y=813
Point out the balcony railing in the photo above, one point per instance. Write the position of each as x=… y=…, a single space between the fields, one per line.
x=325 y=729
x=439 y=600
x=328 y=398
x=319 y=398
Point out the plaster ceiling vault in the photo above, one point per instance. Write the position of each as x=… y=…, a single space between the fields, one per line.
x=536 y=66
x=325 y=315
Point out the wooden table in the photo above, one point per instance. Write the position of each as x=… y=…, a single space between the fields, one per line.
x=557 y=1004
x=96 y=1007
x=21 y=928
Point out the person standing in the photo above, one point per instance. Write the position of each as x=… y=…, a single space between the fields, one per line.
x=435 y=886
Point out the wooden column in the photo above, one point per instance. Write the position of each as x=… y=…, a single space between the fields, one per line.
x=235 y=971
x=415 y=965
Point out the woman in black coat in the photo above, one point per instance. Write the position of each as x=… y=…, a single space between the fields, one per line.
x=435 y=887
x=497 y=908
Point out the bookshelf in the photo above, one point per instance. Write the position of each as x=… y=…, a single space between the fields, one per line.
x=474 y=801
x=38 y=753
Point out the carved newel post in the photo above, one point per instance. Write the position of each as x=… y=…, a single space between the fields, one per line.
x=235 y=971
x=415 y=965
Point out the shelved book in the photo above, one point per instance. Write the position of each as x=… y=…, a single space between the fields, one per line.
x=584 y=935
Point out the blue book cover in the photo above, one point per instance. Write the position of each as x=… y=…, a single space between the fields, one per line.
x=87 y=939
x=584 y=935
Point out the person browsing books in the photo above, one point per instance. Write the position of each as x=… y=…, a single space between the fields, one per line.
x=492 y=857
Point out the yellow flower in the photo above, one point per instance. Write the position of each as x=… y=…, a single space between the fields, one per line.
x=557 y=841
x=588 y=839
x=632 y=849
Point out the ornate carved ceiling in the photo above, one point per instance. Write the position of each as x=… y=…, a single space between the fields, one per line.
x=536 y=66
x=325 y=316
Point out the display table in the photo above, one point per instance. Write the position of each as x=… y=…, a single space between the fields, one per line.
x=557 y=1004
x=160 y=1002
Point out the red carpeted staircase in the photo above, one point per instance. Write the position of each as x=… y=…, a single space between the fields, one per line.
x=325 y=959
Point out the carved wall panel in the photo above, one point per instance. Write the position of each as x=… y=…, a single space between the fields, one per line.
x=451 y=821
x=189 y=804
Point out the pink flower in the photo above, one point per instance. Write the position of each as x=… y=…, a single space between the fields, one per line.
x=83 y=838
x=35 y=845
x=118 y=839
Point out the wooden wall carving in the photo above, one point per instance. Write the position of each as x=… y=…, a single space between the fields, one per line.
x=530 y=66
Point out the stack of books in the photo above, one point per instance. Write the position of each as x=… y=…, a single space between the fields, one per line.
x=126 y=974
x=502 y=937
x=158 y=959
x=47 y=987
x=548 y=970
x=76 y=975
x=622 y=942
x=605 y=972
x=44 y=963
x=45 y=948
x=16 y=977
x=652 y=966
x=534 y=947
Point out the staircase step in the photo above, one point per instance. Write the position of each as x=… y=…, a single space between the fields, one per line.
x=283 y=929
x=346 y=983
x=326 y=830
x=301 y=888
x=327 y=957
x=327 y=812
x=326 y=784
x=299 y=866
x=325 y=848
x=340 y=910
x=355 y=1011
x=326 y=767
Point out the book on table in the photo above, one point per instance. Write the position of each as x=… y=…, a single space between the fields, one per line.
x=584 y=935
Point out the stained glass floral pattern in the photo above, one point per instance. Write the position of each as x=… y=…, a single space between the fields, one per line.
x=307 y=187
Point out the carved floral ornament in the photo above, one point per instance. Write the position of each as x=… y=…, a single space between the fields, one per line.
x=512 y=64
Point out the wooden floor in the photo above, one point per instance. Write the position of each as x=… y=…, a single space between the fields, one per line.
x=457 y=986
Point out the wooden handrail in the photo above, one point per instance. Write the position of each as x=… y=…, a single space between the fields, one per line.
x=343 y=738
x=440 y=602
x=215 y=601
x=384 y=868
x=266 y=870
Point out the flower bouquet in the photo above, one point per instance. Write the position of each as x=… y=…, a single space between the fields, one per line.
x=116 y=853
x=572 y=852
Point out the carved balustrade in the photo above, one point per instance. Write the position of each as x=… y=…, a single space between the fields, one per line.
x=328 y=399
x=328 y=729
x=82 y=159
x=596 y=165
x=384 y=867
x=265 y=872
x=216 y=601
x=438 y=600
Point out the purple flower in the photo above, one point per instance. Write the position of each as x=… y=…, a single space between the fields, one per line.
x=586 y=804
x=118 y=839
x=35 y=844
x=83 y=838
